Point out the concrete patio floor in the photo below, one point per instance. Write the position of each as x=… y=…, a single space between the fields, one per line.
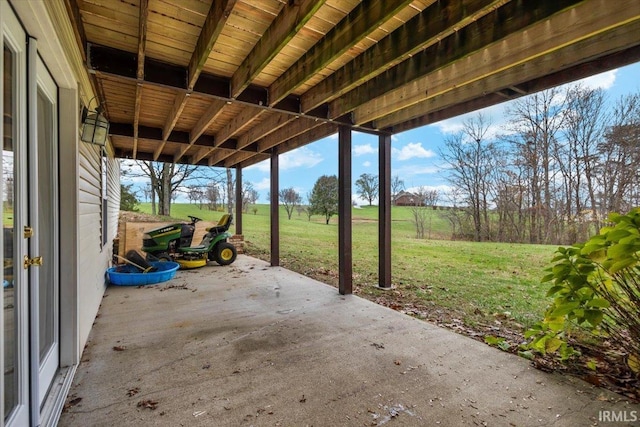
x=253 y=345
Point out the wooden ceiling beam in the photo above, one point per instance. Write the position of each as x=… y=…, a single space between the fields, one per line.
x=366 y=17
x=118 y=64
x=434 y=23
x=240 y=156
x=207 y=118
x=291 y=130
x=213 y=25
x=555 y=35
x=487 y=31
x=142 y=43
x=264 y=128
x=236 y=125
x=287 y=24
x=151 y=133
x=211 y=29
x=428 y=114
x=179 y=103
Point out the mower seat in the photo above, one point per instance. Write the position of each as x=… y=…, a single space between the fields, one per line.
x=222 y=226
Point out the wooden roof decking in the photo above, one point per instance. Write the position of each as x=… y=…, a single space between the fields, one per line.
x=223 y=82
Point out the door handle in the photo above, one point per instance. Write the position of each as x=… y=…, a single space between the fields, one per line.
x=35 y=261
x=28 y=232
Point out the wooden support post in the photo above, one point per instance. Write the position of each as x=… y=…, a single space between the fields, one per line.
x=384 y=212
x=275 y=210
x=345 y=283
x=238 y=219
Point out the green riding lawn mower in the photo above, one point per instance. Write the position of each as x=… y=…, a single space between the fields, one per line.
x=173 y=243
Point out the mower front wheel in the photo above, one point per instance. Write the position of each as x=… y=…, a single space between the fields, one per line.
x=224 y=253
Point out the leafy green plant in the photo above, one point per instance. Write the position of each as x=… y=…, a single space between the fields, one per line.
x=596 y=290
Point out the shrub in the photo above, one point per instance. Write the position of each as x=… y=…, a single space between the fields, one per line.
x=596 y=290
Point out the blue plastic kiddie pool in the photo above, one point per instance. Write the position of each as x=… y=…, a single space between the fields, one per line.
x=129 y=275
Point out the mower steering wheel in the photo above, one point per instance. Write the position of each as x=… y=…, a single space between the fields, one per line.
x=194 y=219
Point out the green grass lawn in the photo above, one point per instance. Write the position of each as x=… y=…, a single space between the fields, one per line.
x=478 y=283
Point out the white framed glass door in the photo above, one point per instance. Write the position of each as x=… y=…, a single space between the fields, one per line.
x=15 y=293
x=44 y=279
x=30 y=299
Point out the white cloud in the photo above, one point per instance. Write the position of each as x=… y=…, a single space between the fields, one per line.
x=603 y=81
x=363 y=149
x=413 y=170
x=264 y=184
x=411 y=151
x=299 y=158
x=366 y=164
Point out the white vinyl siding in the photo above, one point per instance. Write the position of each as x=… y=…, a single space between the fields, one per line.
x=94 y=258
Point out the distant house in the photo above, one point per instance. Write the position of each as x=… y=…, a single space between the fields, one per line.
x=405 y=198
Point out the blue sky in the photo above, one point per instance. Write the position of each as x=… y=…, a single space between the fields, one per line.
x=414 y=153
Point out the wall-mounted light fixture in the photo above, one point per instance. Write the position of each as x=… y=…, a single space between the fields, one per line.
x=95 y=126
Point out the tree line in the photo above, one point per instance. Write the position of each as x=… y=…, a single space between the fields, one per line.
x=565 y=159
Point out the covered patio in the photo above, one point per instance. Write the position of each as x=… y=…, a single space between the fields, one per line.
x=253 y=345
x=232 y=83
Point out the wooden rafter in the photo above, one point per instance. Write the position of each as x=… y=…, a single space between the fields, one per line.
x=360 y=22
x=286 y=25
x=213 y=25
x=142 y=43
x=431 y=25
x=379 y=66
x=203 y=123
x=481 y=65
x=272 y=124
x=430 y=113
x=475 y=37
x=293 y=129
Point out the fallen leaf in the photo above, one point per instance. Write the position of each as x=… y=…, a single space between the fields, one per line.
x=119 y=348
x=133 y=391
x=149 y=404
x=304 y=399
x=397 y=362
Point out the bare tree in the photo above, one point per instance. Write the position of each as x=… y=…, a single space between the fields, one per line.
x=619 y=152
x=585 y=124
x=397 y=185
x=230 y=186
x=290 y=198
x=472 y=160
x=431 y=198
x=419 y=211
x=249 y=196
x=367 y=187
x=534 y=123
x=212 y=195
x=165 y=179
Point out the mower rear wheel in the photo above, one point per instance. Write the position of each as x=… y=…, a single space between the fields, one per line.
x=225 y=253
x=162 y=256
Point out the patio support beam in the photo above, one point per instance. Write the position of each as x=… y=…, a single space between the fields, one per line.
x=345 y=257
x=238 y=219
x=274 y=209
x=384 y=212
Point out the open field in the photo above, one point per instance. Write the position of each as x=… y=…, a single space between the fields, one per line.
x=488 y=287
